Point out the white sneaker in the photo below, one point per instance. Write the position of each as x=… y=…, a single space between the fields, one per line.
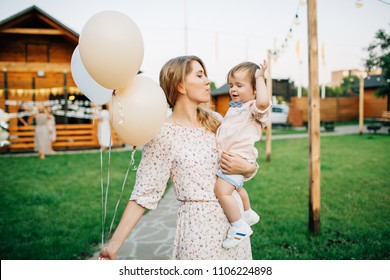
x=252 y=219
x=236 y=235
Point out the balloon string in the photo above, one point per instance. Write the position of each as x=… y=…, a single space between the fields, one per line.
x=121 y=122
x=104 y=203
x=108 y=170
x=102 y=192
x=123 y=186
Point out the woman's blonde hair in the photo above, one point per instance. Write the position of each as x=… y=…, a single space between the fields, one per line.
x=41 y=109
x=175 y=72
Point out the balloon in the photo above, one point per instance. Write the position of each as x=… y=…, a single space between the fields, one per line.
x=89 y=87
x=3 y=134
x=4 y=143
x=138 y=111
x=111 y=48
x=4 y=117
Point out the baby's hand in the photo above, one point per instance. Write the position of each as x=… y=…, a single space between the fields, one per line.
x=260 y=72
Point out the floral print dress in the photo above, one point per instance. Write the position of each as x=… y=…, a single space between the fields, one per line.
x=188 y=157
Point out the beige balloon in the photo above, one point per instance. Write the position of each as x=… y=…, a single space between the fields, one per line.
x=111 y=49
x=138 y=111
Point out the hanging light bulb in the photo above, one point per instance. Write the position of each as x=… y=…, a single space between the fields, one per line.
x=296 y=20
x=290 y=34
x=275 y=56
x=359 y=4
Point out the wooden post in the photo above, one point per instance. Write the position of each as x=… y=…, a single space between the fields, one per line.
x=5 y=78
x=269 y=126
x=361 y=104
x=66 y=99
x=33 y=89
x=314 y=121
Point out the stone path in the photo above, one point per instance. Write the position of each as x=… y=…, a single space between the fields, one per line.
x=152 y=238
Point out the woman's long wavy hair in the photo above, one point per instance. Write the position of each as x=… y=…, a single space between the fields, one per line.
x=174 y=72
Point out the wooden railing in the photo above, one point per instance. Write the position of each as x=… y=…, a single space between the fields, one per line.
x=385 y=118
x=69 y=136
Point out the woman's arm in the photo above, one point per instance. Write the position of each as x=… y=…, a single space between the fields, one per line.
x=235 y=164
x=132 y=214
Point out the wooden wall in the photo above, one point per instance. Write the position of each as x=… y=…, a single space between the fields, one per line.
x=338 y=109
x=374 y=106
x=221 y=103
x=331 y=109
x=35 y=48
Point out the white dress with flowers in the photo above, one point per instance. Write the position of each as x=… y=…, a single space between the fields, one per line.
x=188 y=156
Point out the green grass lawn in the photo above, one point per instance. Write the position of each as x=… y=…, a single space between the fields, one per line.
x=51 y=209
x=355 y=197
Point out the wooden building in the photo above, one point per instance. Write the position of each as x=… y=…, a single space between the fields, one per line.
x=374 y=106
x=35 y=55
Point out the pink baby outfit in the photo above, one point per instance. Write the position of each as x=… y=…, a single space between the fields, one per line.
x=241 y=128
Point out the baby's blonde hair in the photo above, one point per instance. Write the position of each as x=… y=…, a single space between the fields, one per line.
x=175 y=72
x=250 y=67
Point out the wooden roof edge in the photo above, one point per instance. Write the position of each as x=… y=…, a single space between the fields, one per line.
x=35 y=8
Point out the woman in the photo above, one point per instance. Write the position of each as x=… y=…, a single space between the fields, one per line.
x=51 y=123
x=42 y=143
x=185 y=151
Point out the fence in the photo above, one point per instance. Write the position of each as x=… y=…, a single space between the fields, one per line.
x=69 y=136
x=336 y=109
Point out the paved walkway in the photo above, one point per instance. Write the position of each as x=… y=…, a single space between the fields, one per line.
x=152 y=238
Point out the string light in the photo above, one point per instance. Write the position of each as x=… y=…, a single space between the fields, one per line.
x=295 y=22
x=290 y=34
x=359 y=4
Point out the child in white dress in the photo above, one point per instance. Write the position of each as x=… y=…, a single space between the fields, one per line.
x=104 y=129
x=240 y=129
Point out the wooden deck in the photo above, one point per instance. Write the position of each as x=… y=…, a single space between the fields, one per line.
x=69 y=136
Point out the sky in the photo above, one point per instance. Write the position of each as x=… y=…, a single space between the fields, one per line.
x=226 y=32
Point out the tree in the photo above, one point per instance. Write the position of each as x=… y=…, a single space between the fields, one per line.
x=212 y=86
x=379 y=57
x=347 y=86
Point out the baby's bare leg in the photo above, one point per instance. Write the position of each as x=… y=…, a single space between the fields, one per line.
x=245 y=198
x=223 y=191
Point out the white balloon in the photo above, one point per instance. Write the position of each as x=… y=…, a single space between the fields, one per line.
x=88 y=86
x=111 y=48
x=3 y=134
x=138 y=111
x=4 y=143
x=4 y=117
